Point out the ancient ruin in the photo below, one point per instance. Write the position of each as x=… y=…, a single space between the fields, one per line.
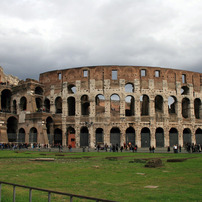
x=146 y=106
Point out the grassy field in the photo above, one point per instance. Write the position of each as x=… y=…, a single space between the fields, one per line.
x=93 y=174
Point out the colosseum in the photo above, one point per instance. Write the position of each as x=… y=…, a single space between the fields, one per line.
x=84 y=106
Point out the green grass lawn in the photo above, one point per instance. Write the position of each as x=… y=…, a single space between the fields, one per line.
x=92 y=174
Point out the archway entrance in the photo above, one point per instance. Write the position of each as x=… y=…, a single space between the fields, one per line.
x=84 y=135
x=58 y=136
x=145 y=137
x=159 y=137
x=71 y=137
x=186 y=136
x=99 y=136
x=12 y=125
x=115 y=136
x=173 y=137
x=130 y=136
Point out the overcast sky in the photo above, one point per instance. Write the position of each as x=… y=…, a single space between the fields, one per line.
x=43 y=35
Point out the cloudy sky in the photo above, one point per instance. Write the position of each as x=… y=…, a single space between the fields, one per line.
x=43 y=35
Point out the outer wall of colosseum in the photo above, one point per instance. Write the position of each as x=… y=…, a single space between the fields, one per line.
x=146 y=106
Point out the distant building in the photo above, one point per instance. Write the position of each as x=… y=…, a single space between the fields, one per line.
x=146 y=106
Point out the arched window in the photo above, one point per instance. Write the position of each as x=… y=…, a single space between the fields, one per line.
x=172 y=105
x=71 y=106
x=14 y=107
x=158 y=104
x=144 y=100
x=129 y=106
x=85 y=105
x=38 y=104
x=197 y=108
x=184 y=90
x=198 y=136
x=47 y=105
x=129 y=88
x=38 y=91
x=23 y=103
x=6 y=101
x=58 y=105
x=100 y=104
x=71 y=89
x=185 y=108
x=115 y=104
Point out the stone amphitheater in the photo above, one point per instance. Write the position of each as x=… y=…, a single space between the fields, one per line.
x=86 y=106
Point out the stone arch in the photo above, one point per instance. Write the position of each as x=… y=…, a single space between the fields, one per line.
x=99 y=136
x=21 y=135
x=144 y=101
x=172 y=105
x=50 y=129
x=145 y=137
x=23 y=103
x=85 y=105
x=58 y=105
x=100 y=104
x=71 y=89
x=197 y=108
x=129 y=88
x=186 y=136
x=130 y=136
x=173 y=137
x=38 y=104
x=186 y=108
x=12 y=126
x=6 y=100
x=38 y=90
x=14 y=107
x=33 y=135
x=115 y=104
x=185 y=90
x=115 y=136
x=47 y=105
x=198 y=136
x=84 y=137
x=159 y=104
x=159 y=136
x=129 y=105
x=71 y=106
x=71 y=140
x=57 y=136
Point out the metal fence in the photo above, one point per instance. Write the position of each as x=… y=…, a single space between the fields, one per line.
x=49 y=192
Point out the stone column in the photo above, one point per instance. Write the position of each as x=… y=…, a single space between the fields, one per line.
x=64 y=137
x=166 y=138
x=138 y=137
x=52 y=99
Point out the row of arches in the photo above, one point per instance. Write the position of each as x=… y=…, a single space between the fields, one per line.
x=55 y=135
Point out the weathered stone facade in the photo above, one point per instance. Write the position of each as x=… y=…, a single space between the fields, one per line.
x=147 y=106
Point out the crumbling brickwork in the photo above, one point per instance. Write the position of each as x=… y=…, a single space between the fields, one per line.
x=143 y=106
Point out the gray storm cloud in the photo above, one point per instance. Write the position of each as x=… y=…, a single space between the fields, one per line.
x=38 y=36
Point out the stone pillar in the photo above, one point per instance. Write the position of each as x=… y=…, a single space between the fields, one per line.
x=52 y=99
x=152 y=135
x=138 y=137
x=180 y=136
x=64 y=136
x=166 y=138
x=137 y=109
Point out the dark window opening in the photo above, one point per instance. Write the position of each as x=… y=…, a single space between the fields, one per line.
x=71 y=106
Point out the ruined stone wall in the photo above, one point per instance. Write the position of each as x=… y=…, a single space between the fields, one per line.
x=154 y=91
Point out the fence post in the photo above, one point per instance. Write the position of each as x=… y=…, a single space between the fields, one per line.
x=30 y=195
x=49 y=196
x=71 y=198
x=0 y=192
x=13 y=193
